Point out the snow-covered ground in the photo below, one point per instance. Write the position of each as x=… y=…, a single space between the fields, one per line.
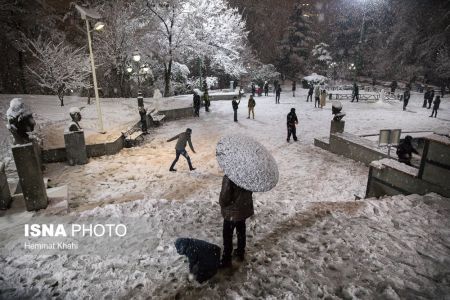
x=308 y=238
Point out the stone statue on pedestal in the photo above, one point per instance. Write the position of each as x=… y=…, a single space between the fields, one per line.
x=75 y=114
x=20 y=121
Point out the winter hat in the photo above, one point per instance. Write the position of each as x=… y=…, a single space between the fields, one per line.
x=408 y=138
x=292 y=110
x=189 y=130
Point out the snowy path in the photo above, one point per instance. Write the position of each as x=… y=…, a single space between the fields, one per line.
x=308 y=238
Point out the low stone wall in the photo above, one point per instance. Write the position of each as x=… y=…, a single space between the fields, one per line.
x=435 y=163
x=388 y=177
x=177 y=113
x=355 y=147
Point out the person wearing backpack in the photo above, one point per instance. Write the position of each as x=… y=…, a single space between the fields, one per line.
x=251 y=106
x=292 y=120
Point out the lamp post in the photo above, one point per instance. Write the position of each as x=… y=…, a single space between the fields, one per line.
x=138 y=71
x=85 y=13
x=352 y=69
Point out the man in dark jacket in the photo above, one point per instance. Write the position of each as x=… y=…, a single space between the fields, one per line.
x=236 y=206
x=143 y=115
x=206 y=100
x=355 y=93
x=180 y=148
x=197 y=103
x=266 y=89
x=430 y=98
x=253 y=89
x=292 y=120
x=204 y=257
x=278 y=94
x=405 y=150
x=310 y=93
x=235 y=105
x=436 y=104
x=406 y=96
x=426 y=95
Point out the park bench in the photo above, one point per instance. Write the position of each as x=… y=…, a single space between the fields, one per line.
x=133 y=136
x=155 y=118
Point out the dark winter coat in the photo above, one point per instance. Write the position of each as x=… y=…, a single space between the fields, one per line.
x=311 y=90
x=291 y=119
x=355 y=90
x=431 y=96
x=142 y=113
x=426 y=95
x=204 y=257
x=294 y=86
x=406 y=95
x=235 y=202
x=251 y=102
x=183 y=139
x=266 y=87
x=197 y=101
x=405 y=150
x=278 y=91
x=436 y=102
x=235 y=104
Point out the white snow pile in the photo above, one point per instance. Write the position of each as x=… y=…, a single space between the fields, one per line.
x=74 y=110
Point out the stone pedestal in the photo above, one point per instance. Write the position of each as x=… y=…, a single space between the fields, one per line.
x=5 y=194
x=30 y=175
x=140 y=100
x=75 y=147
x=231 y=85
x=337 y=127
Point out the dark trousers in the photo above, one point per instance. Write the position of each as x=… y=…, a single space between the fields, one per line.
x=316 y=101
x=197 y=111
x=291 y=130
x=355 y=96
x=228 y=229
x=429 y=103
x=309 y=97
x=424 y=102
x=266 y=92
x=277 y=98
x=434 y=112
x=144 y=125
x=405 y=103
x=185 y=154
x=235 y=115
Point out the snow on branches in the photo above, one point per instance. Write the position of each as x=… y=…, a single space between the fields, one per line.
x=58 y=67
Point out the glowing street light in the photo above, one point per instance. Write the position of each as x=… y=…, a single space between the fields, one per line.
x=136 y=56
x=85 y=14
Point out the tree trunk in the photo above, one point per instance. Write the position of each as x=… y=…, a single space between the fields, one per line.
x=22 y=73
x=167 y=75
x=61 y=99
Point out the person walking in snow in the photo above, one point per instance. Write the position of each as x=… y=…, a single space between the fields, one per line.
x=266 y=89
x=180 y=148
x=323 y=98
x=275 y=85
x=406 y=96
x=355 y=93
x=197 y=103
x=235 y=105
x=294 y=87
x=253 y=89
x=436 y=104
x=405 y=150
x=206 y=100
x=236 y=205
x=291 y=123
x=143 y=115
x=251 y=107
x=278 y=94
x=430 y=98
x=310 y=93
x=317 y=96
x=425 y=97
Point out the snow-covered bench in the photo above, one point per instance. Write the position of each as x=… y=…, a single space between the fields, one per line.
x=155 y=118
x=133 y=136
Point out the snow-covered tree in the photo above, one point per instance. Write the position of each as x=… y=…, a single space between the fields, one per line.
x=58 y=67
x=196 y=28
x=321 y=57
x=295 y=48
x=262 y=73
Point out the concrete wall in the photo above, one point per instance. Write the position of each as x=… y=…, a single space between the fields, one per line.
x=355 y=147
x=389 y=177
x=5 y=194
x=435 y=163
x=177 y=113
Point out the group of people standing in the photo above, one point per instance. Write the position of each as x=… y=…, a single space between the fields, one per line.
x=320 y=95
x=428 y=99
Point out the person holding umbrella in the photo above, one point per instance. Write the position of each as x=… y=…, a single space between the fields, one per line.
x=248 y=168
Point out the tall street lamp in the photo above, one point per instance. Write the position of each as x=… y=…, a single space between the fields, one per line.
x=139 y=70
x=85 y=14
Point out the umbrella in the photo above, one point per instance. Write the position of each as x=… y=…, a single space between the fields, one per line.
x=247 y=163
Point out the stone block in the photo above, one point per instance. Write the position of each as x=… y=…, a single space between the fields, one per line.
x=5 y=194
x=75 y=147
x=337 y=127
x=30 y=176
